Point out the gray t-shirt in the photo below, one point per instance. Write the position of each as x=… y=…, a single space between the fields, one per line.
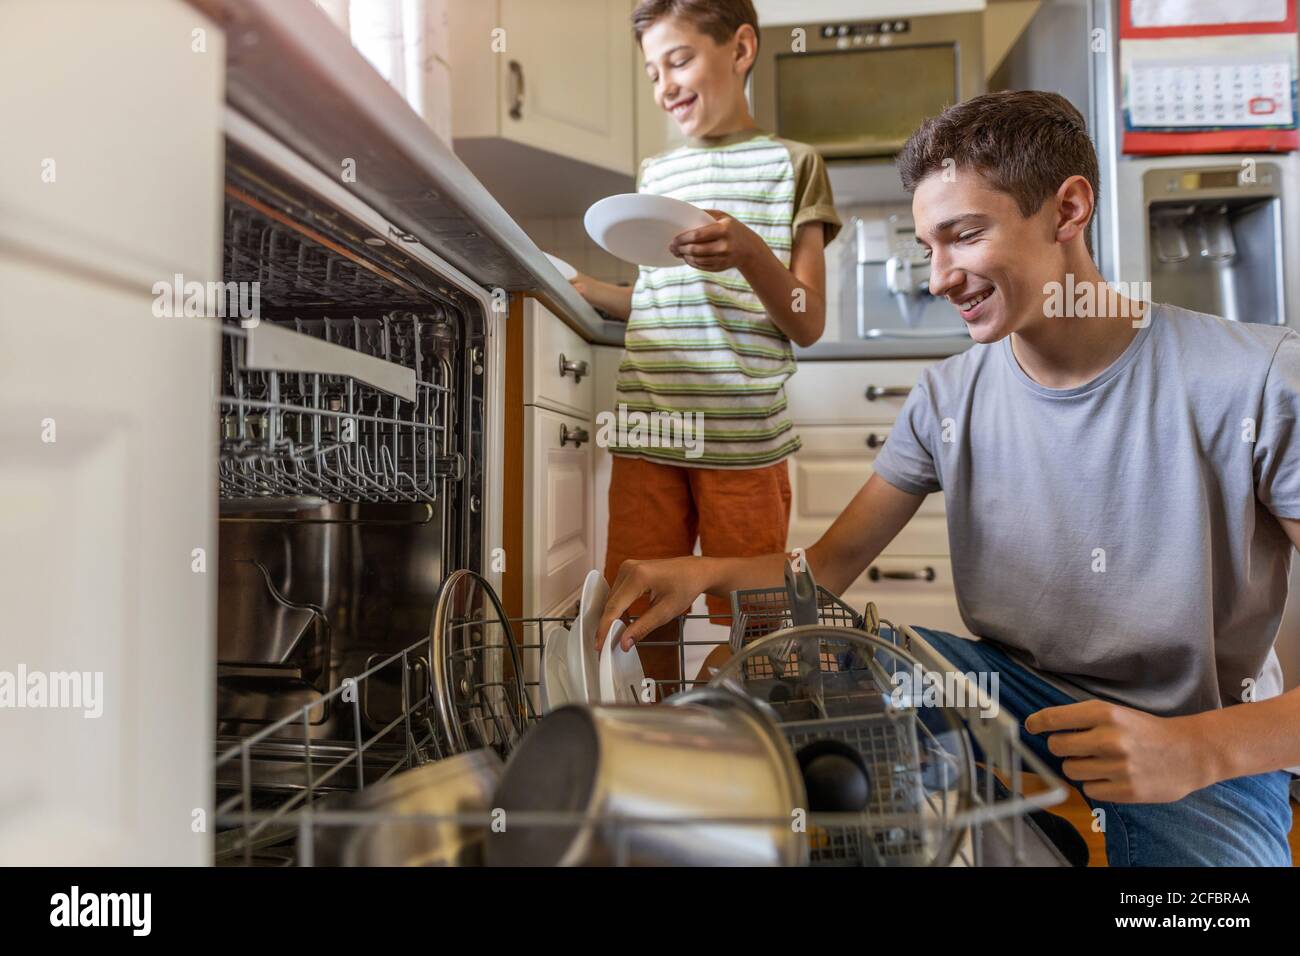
x=1120 y=534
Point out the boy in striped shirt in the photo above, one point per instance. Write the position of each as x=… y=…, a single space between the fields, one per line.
x=709 y=341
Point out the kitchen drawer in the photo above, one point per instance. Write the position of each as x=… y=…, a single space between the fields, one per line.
x=922 y=594
x=559 y=365
x=831 y=467
x=829 y=393
x=557 y=512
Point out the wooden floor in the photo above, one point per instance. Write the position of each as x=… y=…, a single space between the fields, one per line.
x=1076 y=810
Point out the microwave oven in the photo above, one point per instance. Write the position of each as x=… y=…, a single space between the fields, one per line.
x=857 y=90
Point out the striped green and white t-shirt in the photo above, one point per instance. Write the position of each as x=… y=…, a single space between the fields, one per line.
x=700 y=343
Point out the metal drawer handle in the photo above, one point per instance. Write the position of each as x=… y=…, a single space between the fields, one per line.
x=575 y=435
x=876 y=441
x=875 y=574
x=578 y=368
x=516 y=90
x=887 y=391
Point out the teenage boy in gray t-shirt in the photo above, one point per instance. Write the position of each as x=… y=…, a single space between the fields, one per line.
x=1122 y=485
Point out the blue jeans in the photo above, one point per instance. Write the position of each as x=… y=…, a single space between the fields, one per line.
x=1239 y=822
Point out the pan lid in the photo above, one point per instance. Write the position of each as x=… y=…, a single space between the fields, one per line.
x=478 y=677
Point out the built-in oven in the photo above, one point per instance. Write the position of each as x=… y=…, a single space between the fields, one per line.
x=858 y=89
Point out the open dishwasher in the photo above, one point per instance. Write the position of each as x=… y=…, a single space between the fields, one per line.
x=363 y=657
x=711 y=775
x=358 y=412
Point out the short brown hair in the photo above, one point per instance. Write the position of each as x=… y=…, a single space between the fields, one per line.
x=719 y=19
x=1025 y=142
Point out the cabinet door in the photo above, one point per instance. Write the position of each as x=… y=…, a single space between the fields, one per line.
x=108 y=498
x=831 y=467
x=557 y=507
x=565 y=79
x=85 y=173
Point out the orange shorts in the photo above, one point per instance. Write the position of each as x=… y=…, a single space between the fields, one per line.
x=658 y=511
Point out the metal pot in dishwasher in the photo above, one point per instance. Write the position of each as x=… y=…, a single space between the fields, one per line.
x=421 y=817
x=705 y=779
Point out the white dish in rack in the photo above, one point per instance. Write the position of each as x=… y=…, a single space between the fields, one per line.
x=584 y=666
x=556 y=687
x=621 y=674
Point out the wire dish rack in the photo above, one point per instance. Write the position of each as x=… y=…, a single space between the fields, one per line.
x=931 y=804
x=372 y=425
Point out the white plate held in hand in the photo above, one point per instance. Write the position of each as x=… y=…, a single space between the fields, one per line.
x=621 y=675
x=638 y=227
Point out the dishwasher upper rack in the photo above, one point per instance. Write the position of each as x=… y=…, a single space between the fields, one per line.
x=335 y=436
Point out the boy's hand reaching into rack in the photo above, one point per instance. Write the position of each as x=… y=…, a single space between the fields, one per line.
x=673 y=585
x=614 y=300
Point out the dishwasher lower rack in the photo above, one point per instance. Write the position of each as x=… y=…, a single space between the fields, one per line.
x=259 y=824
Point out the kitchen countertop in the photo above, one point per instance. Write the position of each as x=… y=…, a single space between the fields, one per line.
x=832 y=349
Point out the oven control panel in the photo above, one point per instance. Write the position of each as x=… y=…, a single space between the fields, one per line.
x=862 y=34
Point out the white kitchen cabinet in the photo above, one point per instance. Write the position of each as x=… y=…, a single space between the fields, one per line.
x=558 y=535
x=111 y=210
x=108 y=564
x=559 y=505
x=831 y=467
x=556 y=76
x=832 y=393
x=558 y=365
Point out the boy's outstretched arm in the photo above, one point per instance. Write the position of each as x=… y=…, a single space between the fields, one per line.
x=615 y=300
x=795 y=298
x=873 y=518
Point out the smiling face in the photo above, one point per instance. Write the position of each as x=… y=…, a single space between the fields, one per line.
x=986 y=258
x=698 y=81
